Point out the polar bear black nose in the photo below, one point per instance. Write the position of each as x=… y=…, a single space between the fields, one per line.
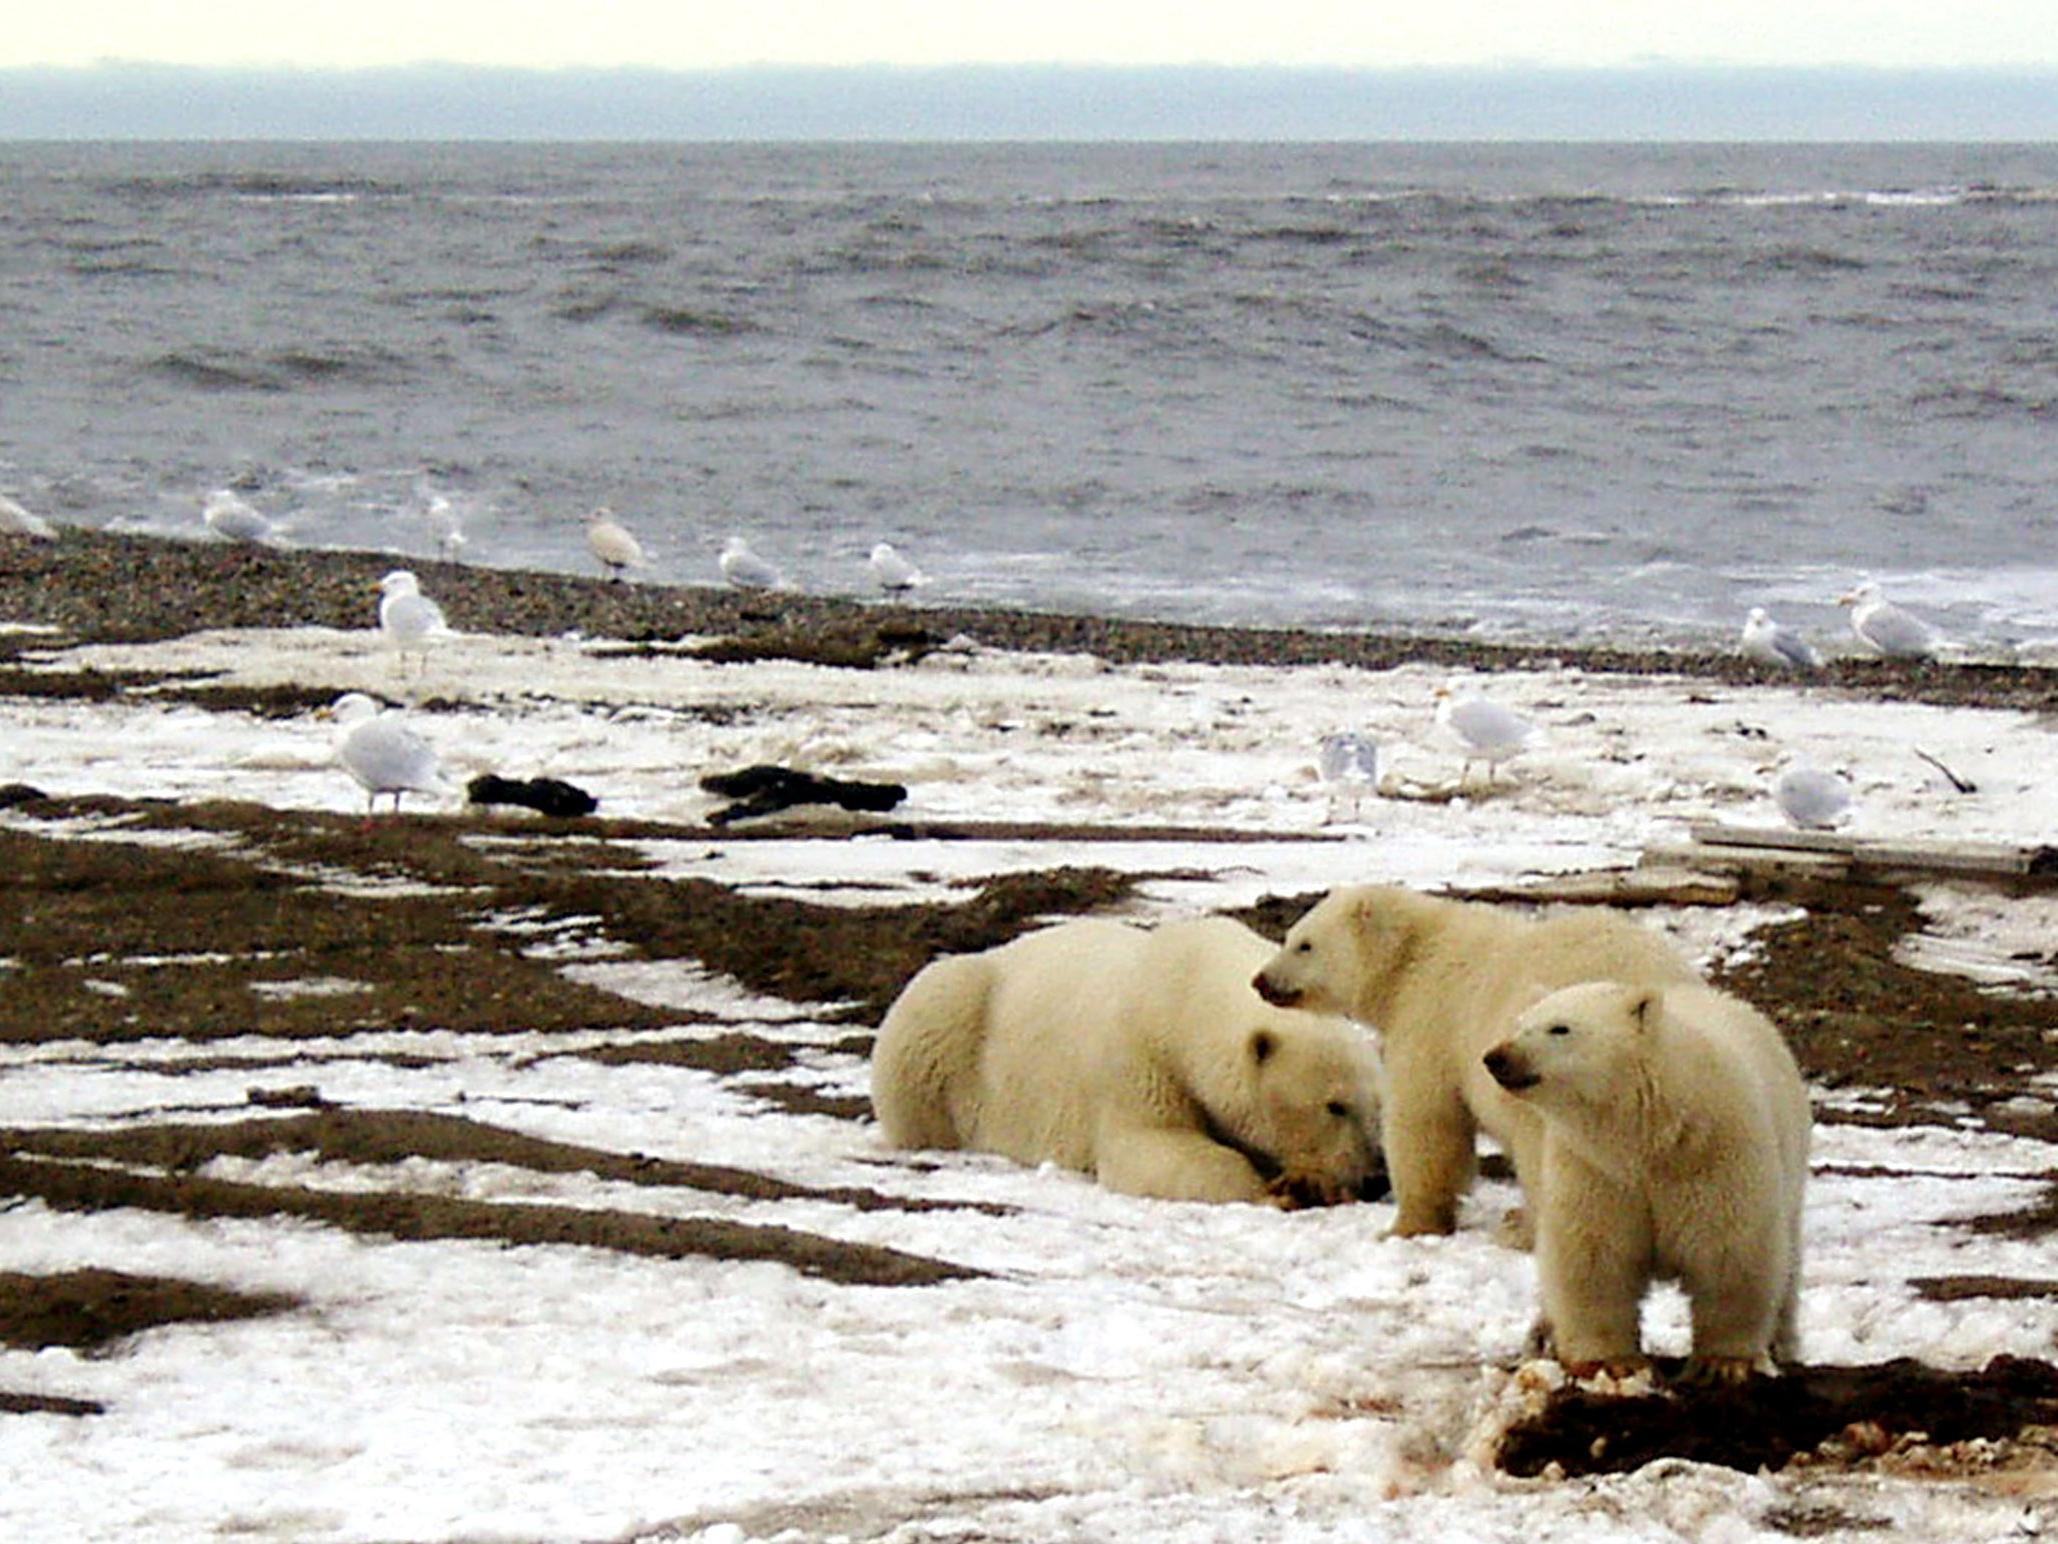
x=1508 y=1070
x=1277 y=996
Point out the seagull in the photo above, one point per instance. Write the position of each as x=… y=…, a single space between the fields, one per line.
x=233 y=518
x=408 y=619
x=1349 y=760
x=745 y=569
x=612 y=543
x=445 y=522
x=1895 y=633
x=16 y=521
x=1770 y=644
x=1812 y=800
x=892 y=572
x=381 y=752
x=1487 y=731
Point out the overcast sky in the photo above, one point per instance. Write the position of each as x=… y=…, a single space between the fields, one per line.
x=697 y=34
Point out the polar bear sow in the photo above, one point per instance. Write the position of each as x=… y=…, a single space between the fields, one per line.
x=1137 y=1055
x=1442 y=981
x=1675 y=1145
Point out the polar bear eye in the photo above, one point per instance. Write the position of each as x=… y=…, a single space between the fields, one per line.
x=1305 y=946
x=1339 y=1109
x=1559 y=1029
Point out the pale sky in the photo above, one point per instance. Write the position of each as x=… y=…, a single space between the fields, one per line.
x=696 y=34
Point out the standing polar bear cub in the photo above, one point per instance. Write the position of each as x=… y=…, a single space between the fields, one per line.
x=1675 y=1145
x=1441 y=981
x=1137 y=1055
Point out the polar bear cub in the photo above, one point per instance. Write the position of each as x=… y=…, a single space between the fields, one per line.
x=1139 y=1055
x=1675 y=1145
x=1441 y=981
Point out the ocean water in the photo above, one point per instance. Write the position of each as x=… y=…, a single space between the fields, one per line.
x=1563 y=392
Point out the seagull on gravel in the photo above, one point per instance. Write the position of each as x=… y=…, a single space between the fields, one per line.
x=16 y=521
x=380 y=751
x=893 y=573
x=233 y=518
x=445 y=524
x=1770 y=644
x=745 y=569
x=612 y=543
x=1894 y=633
x=1485 y=730
x=408 y=619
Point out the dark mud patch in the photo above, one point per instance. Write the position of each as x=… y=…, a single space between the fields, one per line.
x=71 y=1187
x=47 y=1404
x=364 y=1136
x=1831 y=1416
x=1934 y=1047
x=91 y=1310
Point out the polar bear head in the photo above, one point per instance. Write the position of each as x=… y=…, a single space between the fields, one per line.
x=1311 y=1122
x=1343 y=950
x=1580 y=1045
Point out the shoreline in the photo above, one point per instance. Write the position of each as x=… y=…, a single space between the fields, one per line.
x=100 y=587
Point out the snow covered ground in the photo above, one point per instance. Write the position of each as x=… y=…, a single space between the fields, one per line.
x=1124 y=1369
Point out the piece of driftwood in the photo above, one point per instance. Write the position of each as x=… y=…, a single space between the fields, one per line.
x=1644 y=885
x=766 y=790
x=1718 y=847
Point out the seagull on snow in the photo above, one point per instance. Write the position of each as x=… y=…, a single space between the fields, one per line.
x=408 y=619
x=1485 y=730
x=1811 y=799
x=381 y=752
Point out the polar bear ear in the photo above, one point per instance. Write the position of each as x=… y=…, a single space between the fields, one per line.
x=1643 y=1008
x=1262 y=1044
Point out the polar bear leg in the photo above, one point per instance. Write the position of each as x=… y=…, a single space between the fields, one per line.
x=1593 y=1253
x=1429 y=1159
x=1173 y=1165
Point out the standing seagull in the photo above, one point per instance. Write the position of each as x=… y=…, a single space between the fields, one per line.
x=1348 y=760
x=1770 y=644
x=233 y=518
x=1485 y=730
x=408 y=619
x=445 y=524
x=891 y=572
x=1895 y=633
x=745 y=569
x=612 y=543
x=381 y=752
x=1811 y=800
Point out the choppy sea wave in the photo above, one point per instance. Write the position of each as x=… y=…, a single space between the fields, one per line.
x=1561 y=391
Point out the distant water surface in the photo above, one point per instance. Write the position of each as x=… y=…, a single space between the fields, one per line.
x=1562 y=392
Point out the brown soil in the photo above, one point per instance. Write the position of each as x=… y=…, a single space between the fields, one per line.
x=117 y=942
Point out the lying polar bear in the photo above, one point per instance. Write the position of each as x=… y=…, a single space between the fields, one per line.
x=1138 y=1055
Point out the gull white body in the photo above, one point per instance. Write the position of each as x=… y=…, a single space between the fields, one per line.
x=1811 y=799
x=612 y=544
x=1349 y=760
x=381 y=752
x=445 y=524
x=408 y=619
x=233 y=518
x=16 y=521
x=891 y=572
x=1781 y=647
x=744 y=568
x=1892 y=632
x=1484 y=730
